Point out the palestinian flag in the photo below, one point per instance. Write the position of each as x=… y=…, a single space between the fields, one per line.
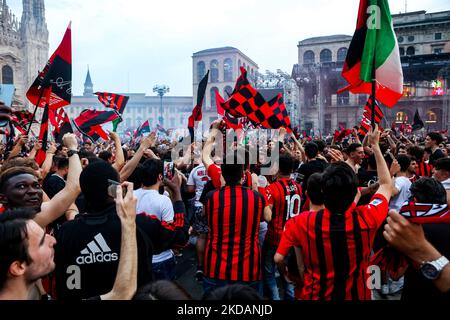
x=90 y=122
x=374 y=38
x=366 y=121
x=43 y=137
x=196 y=115
x=56 y=77
x=61 y=123
x=114 y=101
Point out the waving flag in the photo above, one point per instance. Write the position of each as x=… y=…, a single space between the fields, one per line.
x=61 y=123
x=114 y=101
x=90 y=122
x=43 y=137
x=143 y=128
x=418 y=123
x=55 y=78
x=374 y=38
x=196 y=115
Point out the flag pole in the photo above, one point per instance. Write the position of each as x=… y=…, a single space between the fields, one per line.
x=374 y=84
x=34 y=112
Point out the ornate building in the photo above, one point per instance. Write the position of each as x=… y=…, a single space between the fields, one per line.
x=23 y=46
x=224 y=64
x=140 y=107
x=424 y=42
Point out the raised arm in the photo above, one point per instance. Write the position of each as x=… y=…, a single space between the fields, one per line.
x=48 y=162
x=209 y=144
x=120 y=158
x=384 y=177
x=131 y=165
x=56 y=207
x=22 y=141
x=125 y=284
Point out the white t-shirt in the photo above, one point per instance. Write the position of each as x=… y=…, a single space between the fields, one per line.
x=446 y=184
x=402 y=184
x=152 y=203
x=198 y=178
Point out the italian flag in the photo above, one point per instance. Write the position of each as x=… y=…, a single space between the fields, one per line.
x=374 y=38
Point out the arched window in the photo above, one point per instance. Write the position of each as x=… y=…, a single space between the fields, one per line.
x=227 y=91
x=201 y=70
x=308 y=57
x=401 y=117
x=212 y=93
x=325 y=56
x=214 y=66
x=431 y=117
x=341 y=54
x=410 y=51
x=228 y=70
x=7 y=75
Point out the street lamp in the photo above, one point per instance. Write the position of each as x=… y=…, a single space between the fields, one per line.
x=161 y=90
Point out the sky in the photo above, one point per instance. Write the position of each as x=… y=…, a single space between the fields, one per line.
x=133 y=45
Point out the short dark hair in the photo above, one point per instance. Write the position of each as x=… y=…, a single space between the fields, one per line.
x=442 y=164
x=105 y=155
x=19 y=162
x=339 y=186
x=314 y=189
x=13 y=235
x=428 y=190
x=286 y=164
x=404 y=161
x=320 y=144
x=94 y=184
x=416 y=152
x=435 y=136
x=151 y=169
x=311 y=150
x=232 y=172
x=352 y=148
x=63 y=163
x=162 y=290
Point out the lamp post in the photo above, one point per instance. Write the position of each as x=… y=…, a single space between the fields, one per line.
x=161 y=90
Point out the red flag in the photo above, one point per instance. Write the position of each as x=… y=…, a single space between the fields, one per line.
x=61 y=123
x=219 y=102
x=340 y=135
x=366 y=121
x=197 y=111
x=89 y=123
x=43 y=136
x=56 y=77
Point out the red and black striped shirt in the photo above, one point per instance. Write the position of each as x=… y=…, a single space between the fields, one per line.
x=232 y=247
x=335 y=249
x=285 y=196
x=424 y=169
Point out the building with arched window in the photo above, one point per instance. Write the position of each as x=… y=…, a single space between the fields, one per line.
x=23 y=47
x=424 y=48
x=224 y=66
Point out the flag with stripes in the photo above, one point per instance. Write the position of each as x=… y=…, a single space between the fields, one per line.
x=90 y=122
x=114 y=101
x=366 y=121
x=43 y=137
x=56 y=77
x=61 y=124
x=143 y=128
x=196 y=115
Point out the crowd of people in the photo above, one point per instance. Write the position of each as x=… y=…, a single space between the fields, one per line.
x=105 y=221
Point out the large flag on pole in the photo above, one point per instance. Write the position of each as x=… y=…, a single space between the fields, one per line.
x=56 y=77
x=114 y=101
x=374 y=38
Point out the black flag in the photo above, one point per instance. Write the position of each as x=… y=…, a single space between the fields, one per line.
x=418 y=123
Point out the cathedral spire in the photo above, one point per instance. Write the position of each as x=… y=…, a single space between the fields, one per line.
x=26 y=12
x=88 y=85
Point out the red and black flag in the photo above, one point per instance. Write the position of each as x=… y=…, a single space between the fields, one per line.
x=23 y=117
x=61 y=123
x=340 y=135
x=366 y=121
x=196 y=115
x=246 y=101
x=56 y=78
x=418 y=123
x=43 y=137
x=113 y=101
x=89 y=123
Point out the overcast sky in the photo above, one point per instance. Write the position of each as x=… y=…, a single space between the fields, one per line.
x=132 y=45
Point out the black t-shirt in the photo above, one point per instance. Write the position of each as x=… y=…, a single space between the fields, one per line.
x=309 y=168
x=53 y=185
x=416 y=286
x=436 y=155
x=88 y=250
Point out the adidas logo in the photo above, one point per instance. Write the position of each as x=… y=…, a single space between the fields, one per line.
x=97 y=251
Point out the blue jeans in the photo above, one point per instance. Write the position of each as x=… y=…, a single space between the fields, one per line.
x=269 y=279
x=164 y=270
x=210 y=284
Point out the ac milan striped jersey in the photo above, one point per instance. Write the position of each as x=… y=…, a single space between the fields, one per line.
x=232 y=248
x=335 y=249
x=285 y=196
x=424 y=169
